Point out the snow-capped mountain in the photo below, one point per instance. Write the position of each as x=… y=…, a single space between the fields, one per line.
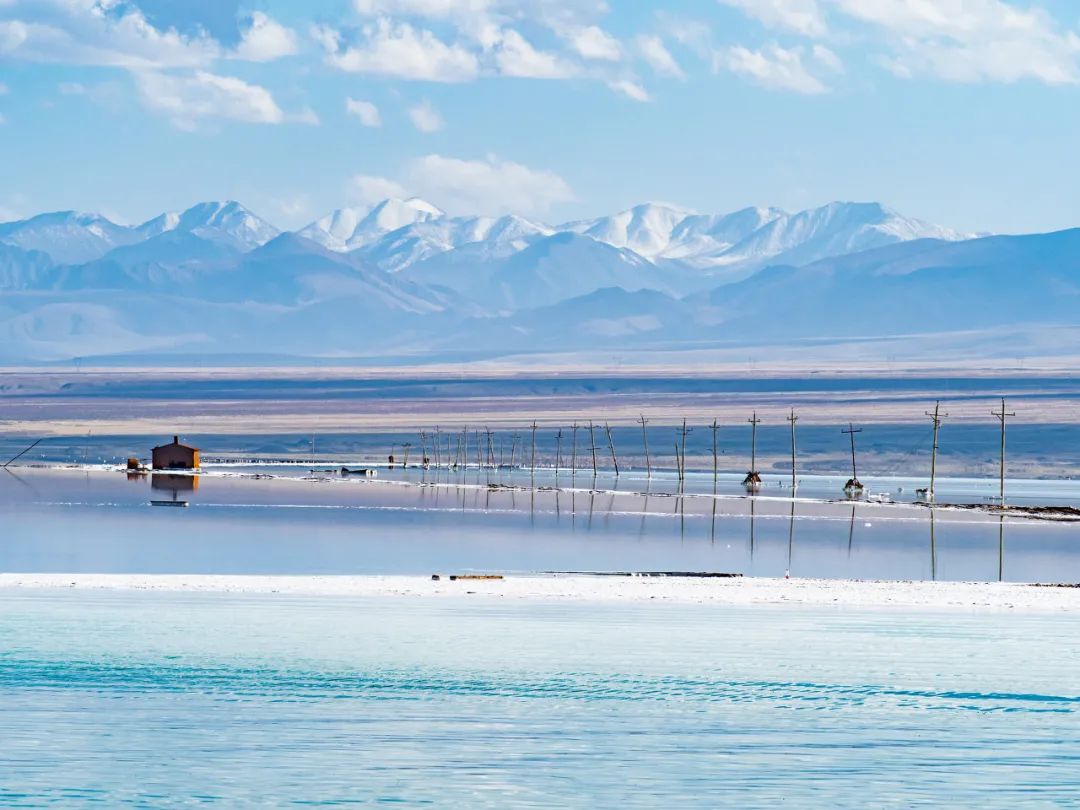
x=352 y=228
x=832 y=230
x=481 y=238
x=645 y=229
x=67 y=237
x=227 y=223
x=405 y=278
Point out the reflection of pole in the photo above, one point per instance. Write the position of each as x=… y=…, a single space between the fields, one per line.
x=851 y=531
x=933 y=548
x=1001 y=547
x=1002 y=416
x=790 y=537
x=645 y=441
x=793 y=419
x=753 y=504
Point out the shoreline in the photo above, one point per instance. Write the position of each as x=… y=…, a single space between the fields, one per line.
x=579 y=588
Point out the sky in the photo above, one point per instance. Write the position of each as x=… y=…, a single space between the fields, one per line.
x=960 y=112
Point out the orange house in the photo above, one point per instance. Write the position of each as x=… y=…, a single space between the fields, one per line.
x=175 y=456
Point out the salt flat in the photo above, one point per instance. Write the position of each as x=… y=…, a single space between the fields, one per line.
x=610 y=589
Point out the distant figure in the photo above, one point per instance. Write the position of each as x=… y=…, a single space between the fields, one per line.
x=391 y=459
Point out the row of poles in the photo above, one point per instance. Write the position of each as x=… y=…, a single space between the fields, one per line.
x=453 y=449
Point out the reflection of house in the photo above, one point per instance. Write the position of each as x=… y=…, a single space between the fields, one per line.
x=174 y=483
x=175 y=456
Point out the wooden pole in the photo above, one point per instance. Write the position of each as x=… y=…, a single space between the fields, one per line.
x=645 y=441
x=532 y=460
x=592 y=446
x=754 y=422
x=851 y=431
x=573 y=450
x=715 y=460
x=438 y=449
x=611 y=446
x=936 y=418
x=405 y=448
x=793 y=419
x=1002 y=415
x=682 y=451
x=558 y=451
x=18 y=456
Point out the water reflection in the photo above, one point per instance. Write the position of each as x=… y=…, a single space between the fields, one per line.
x=59 y=520
x=172 y=485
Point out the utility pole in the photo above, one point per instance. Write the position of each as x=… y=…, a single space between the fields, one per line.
x=438 y=450
x=936 y=418
x=1002 y=416
x=611 y=446
x=854 y=483
x=532 y=461
x=423 y=450
x=573 y=450
x=405 y=448
x=753 y=480
x=680 y=450
x=592 y=447
x=645 y=441
x=715 y=462
x=465 y=446
x=558 y=451
x=793 y=419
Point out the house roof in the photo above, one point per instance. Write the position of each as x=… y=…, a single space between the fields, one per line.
x=177 y=444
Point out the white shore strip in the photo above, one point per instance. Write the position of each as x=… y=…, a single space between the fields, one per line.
x=742 y=591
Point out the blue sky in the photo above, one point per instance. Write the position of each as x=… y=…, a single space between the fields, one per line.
x=963 y=112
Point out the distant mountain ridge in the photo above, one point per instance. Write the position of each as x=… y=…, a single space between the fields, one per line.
x=403 y=278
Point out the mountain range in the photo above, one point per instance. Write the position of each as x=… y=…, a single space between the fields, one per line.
x=404 y=279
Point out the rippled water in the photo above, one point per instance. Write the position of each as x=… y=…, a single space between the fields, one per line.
x=153 y=699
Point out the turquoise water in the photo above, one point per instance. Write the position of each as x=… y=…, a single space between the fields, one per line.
x=153 y=699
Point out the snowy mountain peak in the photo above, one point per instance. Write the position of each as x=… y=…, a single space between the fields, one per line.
x=225 y=222
x=68 y=237
x=352 y=228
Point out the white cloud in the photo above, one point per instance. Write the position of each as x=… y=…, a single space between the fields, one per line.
x=490 y=186
x=266 y=40
x=658 y=57
x=772 y=66
x=514 y=56
x=593 y=42
x=368 y=190
x=400 y=50
x=422 y=8
x=630 y=89
x=425 y=117
x=827 y=58
x=367 y=112
x=972 y=40
x=801 y=16
x=3 y=119
x=71 y=89
x=187 y=100
x=100 y=33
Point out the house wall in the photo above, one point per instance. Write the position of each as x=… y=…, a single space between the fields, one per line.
x=175 y=457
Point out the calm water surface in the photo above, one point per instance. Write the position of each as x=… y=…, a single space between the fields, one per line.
x=73 y=521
